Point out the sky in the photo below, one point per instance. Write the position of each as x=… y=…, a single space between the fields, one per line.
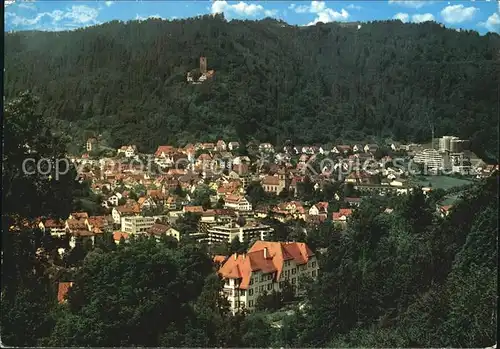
x=482 y=16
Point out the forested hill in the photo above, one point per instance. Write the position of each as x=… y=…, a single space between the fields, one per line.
x=319 y=84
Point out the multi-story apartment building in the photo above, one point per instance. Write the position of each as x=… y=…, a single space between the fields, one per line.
x=265 y=268
x=227 y=232
x=433 y=159
x=138 y=224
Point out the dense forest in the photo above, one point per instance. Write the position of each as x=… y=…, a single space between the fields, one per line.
x=406 y=278
x=319 y=84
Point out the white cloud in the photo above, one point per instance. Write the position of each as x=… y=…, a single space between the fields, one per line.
x=291 y=7
x=219 y=6
x=422 y=17
x=323 y=13
x=317 y=6
x=329 y=15
x=403 y=17
x=270 y=13
x=76 y=15
x=458 y=13
x=354 y=7
x=8 y=2
x=82 y=14
x=109 y=3
x=241 y=9
x=410 y=3
x=302 y=9
x=27 y=5
x=492 y=23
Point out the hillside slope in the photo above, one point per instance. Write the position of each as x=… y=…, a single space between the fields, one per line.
x=326 y=83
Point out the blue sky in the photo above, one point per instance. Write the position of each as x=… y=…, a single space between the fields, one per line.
x=482 y=16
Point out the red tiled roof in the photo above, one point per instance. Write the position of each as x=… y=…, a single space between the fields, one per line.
x=242 y=266
x=167 y=149
x=75 y=224
x=128 y=209
x=79 y=215
x=117 y=235
x=322 y=206
x=194 y=209
x=446 y=208
x=270 y=180
x=156 y=194
x=158 y=229
x=204 y=157
x=233 y=199
x=219 y=259
x=343 y=212
x=63 y=289
x=98 y=221
x=82 y=233
x=53 y=223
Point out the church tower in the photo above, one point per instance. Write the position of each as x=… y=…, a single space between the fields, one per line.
x=203 y=65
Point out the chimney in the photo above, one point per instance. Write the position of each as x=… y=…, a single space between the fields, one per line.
x=235 y=256
x=266 y=253
x=244 y=255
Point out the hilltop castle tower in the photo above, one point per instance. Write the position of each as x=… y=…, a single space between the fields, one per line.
x=203 y=65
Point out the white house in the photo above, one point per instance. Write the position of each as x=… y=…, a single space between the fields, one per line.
x=341 y=149
x=221 y=145
x=128 y=151
x=113 y=199
x=319 y=208
x=370 y=148
x=233 y=145
x=237 y=202
x=241 y=159
x=357 y=148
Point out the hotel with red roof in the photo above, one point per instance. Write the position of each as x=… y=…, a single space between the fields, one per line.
x=265 y=268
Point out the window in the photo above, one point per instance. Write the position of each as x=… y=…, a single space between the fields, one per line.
x=262 y=278
x=313 y=273
x=251 y=282
x=236 y=304
x=282 y=284
x=250 y=292
x=314 y=264
x=294 y=270
x=242 y=292
x=270 y=277
x=293 y=281
x=269 y=287
x=261 y=288
x=250 y=303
